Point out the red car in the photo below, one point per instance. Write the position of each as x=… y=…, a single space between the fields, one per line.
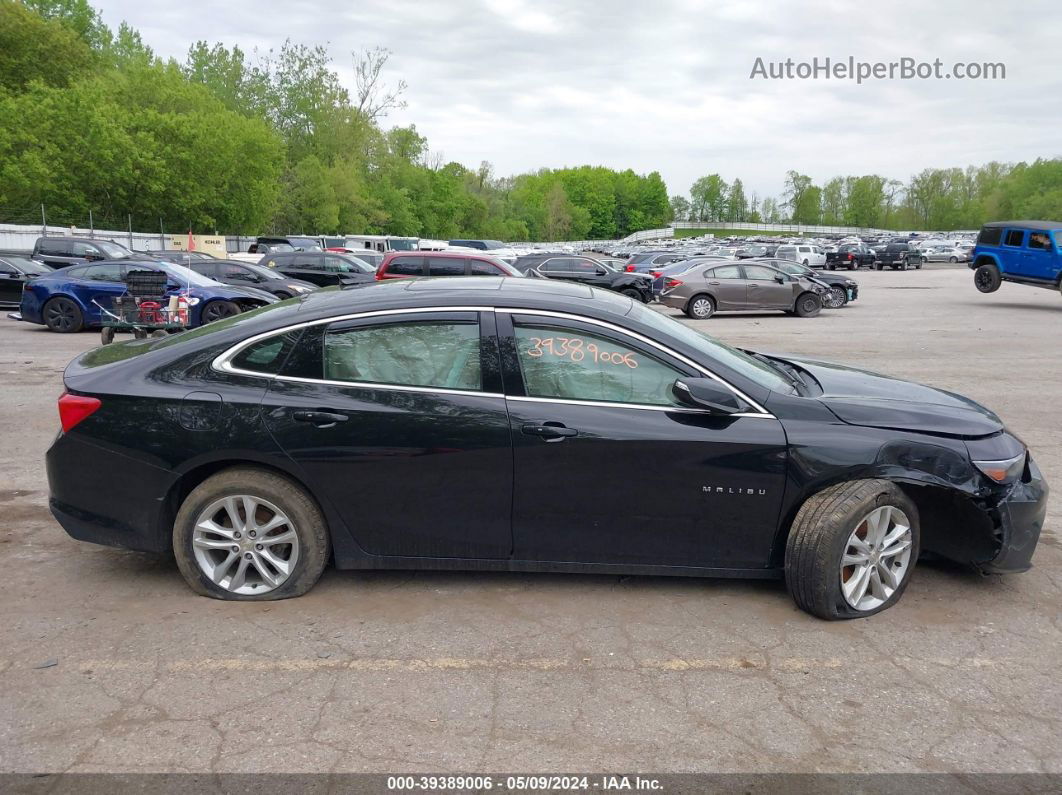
x=409 y=265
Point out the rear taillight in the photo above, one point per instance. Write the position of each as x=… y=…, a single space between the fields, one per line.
x=74 y=408
x=851 y=257
x=655 y=274
x=629 y=269
x=671 y=284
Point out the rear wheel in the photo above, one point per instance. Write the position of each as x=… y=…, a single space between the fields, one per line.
x=216 y=310
x=808 y=305
x=107 y=335
x=878 y=266
x=987 y=278
x=701 y=307
x=851 y=549
x=63 y=315
x=250 y=534
x=903 y=265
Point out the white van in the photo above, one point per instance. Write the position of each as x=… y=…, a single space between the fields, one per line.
x=382 y=243
x=803 y=253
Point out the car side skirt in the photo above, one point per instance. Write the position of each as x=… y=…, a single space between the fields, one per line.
x=567 y=567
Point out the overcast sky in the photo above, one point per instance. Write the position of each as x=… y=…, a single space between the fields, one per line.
x=665 y=85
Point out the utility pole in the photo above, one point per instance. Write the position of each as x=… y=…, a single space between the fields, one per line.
x=44 y=222
x=129 y=217
x=92 y=227
x=162 y=236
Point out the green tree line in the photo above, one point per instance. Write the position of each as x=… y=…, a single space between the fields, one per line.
x=936 y=198
x=91 y=120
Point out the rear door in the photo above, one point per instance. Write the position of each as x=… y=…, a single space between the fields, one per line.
x=728 y=285
x=609 y=469
x=98 y=286
x=399 y=422
x=1012 y=250
x=447 y=266
x=11 y=281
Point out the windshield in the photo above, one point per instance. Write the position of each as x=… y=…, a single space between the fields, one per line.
x=756 y=371
x=265 y=273
x=113 y=250
x=27 y=265
x=186 y=276
x=401 y=245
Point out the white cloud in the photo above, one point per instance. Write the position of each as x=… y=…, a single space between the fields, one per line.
x=665 y=86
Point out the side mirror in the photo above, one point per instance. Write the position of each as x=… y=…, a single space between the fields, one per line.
x=706 y=393
x=780 y=279
x=600 y=271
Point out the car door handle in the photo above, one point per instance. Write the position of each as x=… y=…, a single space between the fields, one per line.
x=322 y=419
x=551 y=432
x=715 y=283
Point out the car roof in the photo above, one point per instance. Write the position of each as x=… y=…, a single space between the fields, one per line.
x=1037 y=225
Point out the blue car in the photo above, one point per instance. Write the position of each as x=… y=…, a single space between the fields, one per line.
x=63 y=300
x=1025 y=252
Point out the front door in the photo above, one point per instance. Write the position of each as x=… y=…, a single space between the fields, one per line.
x=610 y=469
x=764 y=289
x=1038 y=259
x=398 y=420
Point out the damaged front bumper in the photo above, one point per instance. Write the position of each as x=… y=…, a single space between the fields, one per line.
x=1018 y=518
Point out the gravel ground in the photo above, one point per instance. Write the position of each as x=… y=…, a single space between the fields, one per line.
x=109 y=663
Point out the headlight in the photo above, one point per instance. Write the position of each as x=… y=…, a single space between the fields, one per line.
x=1006 y=471
x=298 y=288
x=193 y=301
x=850 y=282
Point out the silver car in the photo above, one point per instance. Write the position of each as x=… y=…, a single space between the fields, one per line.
x=713 y=287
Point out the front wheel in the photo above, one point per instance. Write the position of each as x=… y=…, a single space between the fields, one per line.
x=878 y=266
x=249 y=534
x=836 y=298
x=953 y=260
x=701 y=307
x=808 y=305
x=987 y=278
x=851 y=549
x=633 y=294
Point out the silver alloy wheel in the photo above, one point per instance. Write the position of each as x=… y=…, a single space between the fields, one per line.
x=702 y=307
x=245 y=544
x=835 y=298
x=876 y=558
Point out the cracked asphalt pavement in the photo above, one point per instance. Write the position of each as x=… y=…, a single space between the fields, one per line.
x=456 y=672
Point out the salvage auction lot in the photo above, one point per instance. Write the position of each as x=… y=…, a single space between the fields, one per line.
x=109 y=663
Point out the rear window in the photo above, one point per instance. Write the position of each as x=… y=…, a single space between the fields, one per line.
x=1015 y=237
x=446 y=266
x=990 y=236
x=267 y=356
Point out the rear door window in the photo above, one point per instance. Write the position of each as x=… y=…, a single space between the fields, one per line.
x=446 y=266
x=990 y=236
x=478 y=267
x=308 y=260
x=430 y=353
x=1015 y=237
x=109 y=272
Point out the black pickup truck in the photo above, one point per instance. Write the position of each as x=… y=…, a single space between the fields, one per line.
x=899 y=256
x=851 y=256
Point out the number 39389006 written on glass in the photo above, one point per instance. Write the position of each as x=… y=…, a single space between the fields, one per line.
x=578 y=350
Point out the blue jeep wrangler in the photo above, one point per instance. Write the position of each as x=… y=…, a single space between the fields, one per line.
x=1026 y=252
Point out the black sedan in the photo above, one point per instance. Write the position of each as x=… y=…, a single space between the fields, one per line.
x=492 y=424
x=242 y=274
x=321 y=268
x=588 y=271
x=16 y=268
x=841 y=289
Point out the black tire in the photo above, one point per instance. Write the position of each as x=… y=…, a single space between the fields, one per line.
x=160 y=332
x=807 y=305
x=878 y=266
x=987 y=278
x=107 y=335
x=831 y=267
x=851 y=267
x=217 y=310
x=805 y=263
x=306 y=520
x=836 y=298
x=63 y=315
x=633 y=294
x=903 y=265
x=819 y=538
x=282 y=295
x=953 y=260
x=700 y=307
